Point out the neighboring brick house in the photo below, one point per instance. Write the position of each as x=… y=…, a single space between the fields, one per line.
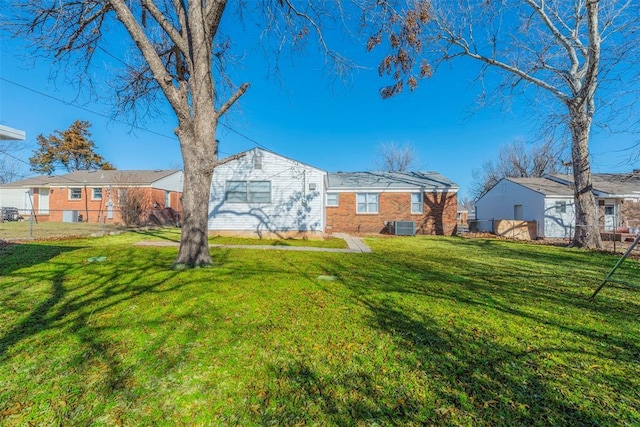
x=367 y=202
x=99 y=195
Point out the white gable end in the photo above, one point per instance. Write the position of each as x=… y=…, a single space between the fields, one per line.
x=263 y=192
x=554 y=215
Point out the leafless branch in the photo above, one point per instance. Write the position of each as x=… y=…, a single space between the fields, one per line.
x=241 y=90
x=229 y=159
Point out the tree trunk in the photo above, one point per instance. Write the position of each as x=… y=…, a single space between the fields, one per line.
x=197 y=134
x=198 y=158
x=587 y=234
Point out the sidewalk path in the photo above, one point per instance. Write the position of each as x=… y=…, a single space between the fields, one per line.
x=355 y=245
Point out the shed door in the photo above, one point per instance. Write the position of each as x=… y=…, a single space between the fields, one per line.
x=43 y=201
x=517 y=212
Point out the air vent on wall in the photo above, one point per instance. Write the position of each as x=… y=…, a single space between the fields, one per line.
x=404 y=228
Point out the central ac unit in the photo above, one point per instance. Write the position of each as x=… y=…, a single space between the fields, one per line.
x=404 y=228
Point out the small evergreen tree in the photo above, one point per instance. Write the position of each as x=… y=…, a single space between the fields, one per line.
x=70 y=149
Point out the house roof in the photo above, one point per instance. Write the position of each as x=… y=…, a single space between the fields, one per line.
x=96 y=177
x=262 y=150
x=133 y=177
x=426 y=181
x=544 y=186
x=34 y=181
x=612 y=184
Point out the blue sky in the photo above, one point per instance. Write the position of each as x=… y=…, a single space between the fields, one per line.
x=303 y=112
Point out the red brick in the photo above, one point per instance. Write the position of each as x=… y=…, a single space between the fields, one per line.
x=439 y=214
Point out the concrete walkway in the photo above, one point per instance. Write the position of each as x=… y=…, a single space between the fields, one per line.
x=355 y=245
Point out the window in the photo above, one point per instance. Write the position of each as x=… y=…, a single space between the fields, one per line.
x=609 y=210
x=332 y=199
x=236 y=191
x=367 y=203
x=75 y=193
x=561 y=207
x=96 y=194
x=259 y=191
x=167 y=199
x=248 y=192
x=416 y=202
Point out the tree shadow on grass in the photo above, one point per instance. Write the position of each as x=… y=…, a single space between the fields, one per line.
x=478 y=378
x=469 y=383
x=17 y=256
x=51 y=294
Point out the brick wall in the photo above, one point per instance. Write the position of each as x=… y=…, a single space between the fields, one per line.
x=439 y=214
x=96 y=210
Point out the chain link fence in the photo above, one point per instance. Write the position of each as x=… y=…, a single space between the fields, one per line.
x=615 y=239
x=53 y=224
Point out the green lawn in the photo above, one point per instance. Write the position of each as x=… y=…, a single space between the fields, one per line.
x=24 y=231
x=423 y=331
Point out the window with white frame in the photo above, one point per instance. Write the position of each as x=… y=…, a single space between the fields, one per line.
x=248 y=192
x=259 y=191
x=75 y=193
x=167 y=198
x=367 y=202
x=416 y=203
x=236 y=192
x=96 y=193
x=332 y=199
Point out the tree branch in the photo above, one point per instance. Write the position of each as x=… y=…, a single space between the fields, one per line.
x=168 y=28
x=539 y=9
x=151 y=56
x=461 y=42
x=223 y=109
x=228 y=159
x=213 y=13
x=593 y=59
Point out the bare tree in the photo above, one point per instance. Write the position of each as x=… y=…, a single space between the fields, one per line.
x=134 y=203
x=11 y=167
x=181 y=54
x=516 y=160
x=394 y=157
x=564 y=50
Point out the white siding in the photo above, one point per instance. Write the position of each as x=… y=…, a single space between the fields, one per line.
x=294 y=205
x=15 y=198
x=558 y=224
x=499 y=202
x=172 y=182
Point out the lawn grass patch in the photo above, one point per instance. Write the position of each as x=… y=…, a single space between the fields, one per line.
x=440 y=331
x=106 y=233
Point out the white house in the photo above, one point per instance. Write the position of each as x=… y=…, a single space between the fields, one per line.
x=19 y=194
x=262 y=193
x=549 y=201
